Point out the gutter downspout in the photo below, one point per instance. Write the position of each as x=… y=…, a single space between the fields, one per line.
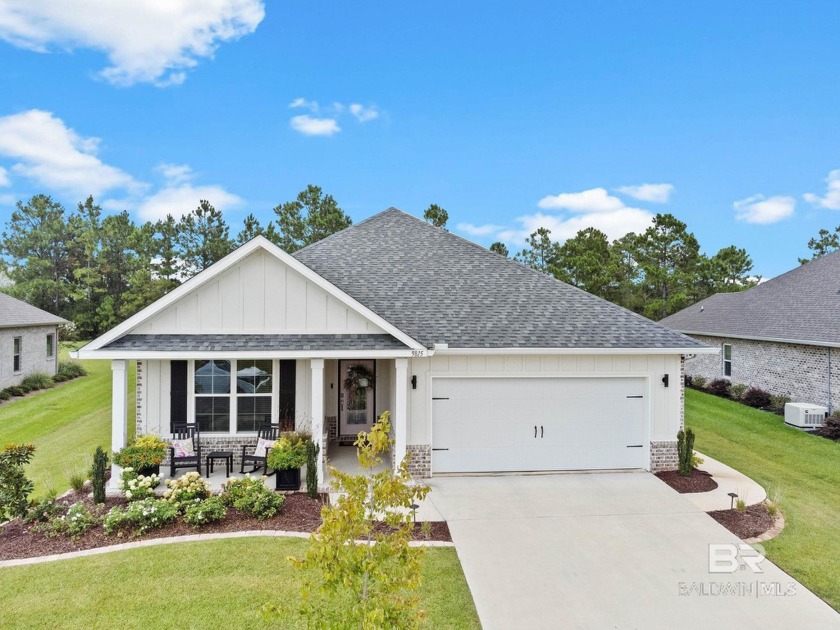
x=830 y=406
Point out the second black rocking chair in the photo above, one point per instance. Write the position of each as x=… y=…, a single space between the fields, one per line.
x=256 y=455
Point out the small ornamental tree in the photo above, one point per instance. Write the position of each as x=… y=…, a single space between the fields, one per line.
x=367 y=571
x=312 y=450
x=15 y=486
x=97 y=475
x=685 y=451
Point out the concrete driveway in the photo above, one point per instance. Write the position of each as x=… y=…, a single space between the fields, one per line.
x=607 y=550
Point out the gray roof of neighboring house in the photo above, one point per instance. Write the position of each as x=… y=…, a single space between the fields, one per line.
x=229 y=343
x=15 y=313
x=439 y=288
x=800 y=305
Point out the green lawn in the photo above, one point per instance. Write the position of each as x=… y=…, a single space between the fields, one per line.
x=65 y=423
x=214 y=584
x=806 y=471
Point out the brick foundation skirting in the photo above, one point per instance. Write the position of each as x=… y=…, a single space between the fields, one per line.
x=420 y=465
x=663 y=455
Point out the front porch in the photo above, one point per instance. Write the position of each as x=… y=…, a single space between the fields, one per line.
x=301 y=393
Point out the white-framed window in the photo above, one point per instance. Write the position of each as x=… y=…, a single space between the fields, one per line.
x=17 y=353
x=50 y=346
x=727 y=359
x=233 y=396
x=211 y=382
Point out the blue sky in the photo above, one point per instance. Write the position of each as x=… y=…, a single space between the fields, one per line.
x=511 y=116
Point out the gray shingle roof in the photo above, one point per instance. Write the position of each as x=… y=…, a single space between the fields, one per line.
x=229 y=343
x=440 y=288
x=14 y=312
x=800 y=305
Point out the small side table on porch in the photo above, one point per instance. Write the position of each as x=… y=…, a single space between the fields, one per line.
x=225 y=455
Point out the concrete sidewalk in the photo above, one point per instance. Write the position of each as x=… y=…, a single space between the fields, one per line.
x=728 y=480
x=607 y=550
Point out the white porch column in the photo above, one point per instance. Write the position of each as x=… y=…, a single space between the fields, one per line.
x=317 y=408
x=400 y=421
x=119 y=412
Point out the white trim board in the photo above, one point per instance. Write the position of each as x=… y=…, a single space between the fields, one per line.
x=489 y=351
x=799 y=342
x=259 y=242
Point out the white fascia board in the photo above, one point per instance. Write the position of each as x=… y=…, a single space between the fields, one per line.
x=800 y=342
x=241 y=354
x=473 y=351
x=259 y=242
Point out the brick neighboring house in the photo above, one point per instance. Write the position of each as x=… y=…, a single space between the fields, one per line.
x=28 y=340
x=782 y=335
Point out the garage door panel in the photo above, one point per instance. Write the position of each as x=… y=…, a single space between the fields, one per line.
x=488 y=424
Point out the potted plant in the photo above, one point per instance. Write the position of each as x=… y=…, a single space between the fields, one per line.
x=286 y=457
x=144 y=455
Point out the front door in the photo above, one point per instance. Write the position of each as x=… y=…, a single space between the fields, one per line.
x=357 y=387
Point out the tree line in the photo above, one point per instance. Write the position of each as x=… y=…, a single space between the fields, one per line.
x=96 y=270
x=655 y=273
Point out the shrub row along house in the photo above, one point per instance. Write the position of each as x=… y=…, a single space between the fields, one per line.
x=28 y=341
x=484 y=363
x=782 y=335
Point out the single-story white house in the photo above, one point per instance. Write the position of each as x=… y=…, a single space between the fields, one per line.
x=781 y=335
x=28 y=341
x=485 y=364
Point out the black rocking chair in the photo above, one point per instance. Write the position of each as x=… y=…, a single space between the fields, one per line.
x=185 y=432
x=267 y=432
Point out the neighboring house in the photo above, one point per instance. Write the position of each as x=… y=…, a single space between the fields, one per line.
x=28 y=340
x=782 y=335
x=484 y=363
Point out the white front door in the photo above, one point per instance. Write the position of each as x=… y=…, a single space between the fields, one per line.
x=532 y=424
x=356 y=397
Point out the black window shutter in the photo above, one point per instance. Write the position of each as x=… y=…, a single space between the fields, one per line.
x=286 y=387
x=177 y=393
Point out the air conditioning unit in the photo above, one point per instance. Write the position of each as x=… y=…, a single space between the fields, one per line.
x=805 y=416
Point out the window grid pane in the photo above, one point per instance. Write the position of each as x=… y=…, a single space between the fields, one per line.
x=252 y=411
x=212 y=377
x=50 y=340
x=212 y=413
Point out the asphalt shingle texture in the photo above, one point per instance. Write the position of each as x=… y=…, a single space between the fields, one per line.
x=800 y=305
x=229 y=343
x=14 y=312
x=440 y=288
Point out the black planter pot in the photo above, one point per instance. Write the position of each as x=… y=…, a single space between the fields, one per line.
x=287 y=479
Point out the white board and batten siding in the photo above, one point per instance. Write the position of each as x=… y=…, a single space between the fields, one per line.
x=543 y=412
x=260 y=294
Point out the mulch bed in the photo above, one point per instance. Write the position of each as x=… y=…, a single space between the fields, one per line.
x=750 y=523
x=299 y=514
x=699 y=481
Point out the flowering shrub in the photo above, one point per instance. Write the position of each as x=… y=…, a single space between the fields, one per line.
x=209 y=511
x=147 y=451
x=74 y=524
x=250 y=496
x=188 y=488
x=43 y=511
x=137 y=487
x=139 y=517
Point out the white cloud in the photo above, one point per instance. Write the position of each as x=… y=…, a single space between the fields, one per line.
x=478 y=230
x=592 y=200
x=614 y=224
x=654 y=193
x=150 y=41
x=175 y=173
x=832 y=193
x=7 y=199
x=364 y=114
x=301 y=102
x=764 y=210
x=310 y=126
x=183 y=198
x=53 y=155
x=4 y=178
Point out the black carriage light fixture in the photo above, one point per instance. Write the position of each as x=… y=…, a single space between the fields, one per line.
x=665 y=380
x=413 y=381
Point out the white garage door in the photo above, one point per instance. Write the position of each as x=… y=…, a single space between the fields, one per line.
x=529 y=424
